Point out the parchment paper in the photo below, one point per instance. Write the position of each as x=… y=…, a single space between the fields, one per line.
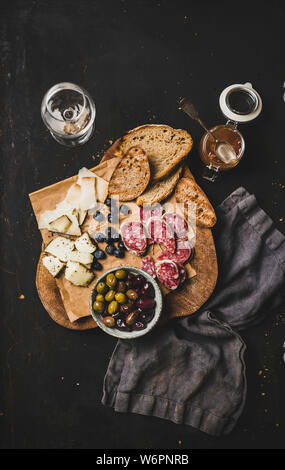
x=75 y=298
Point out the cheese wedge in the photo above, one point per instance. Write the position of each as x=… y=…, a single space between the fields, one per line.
x=53 y=265
x=85 y=244
x=88 y=196
x=60 y=224
x=73 y=195
x=81 y=257
x=62 y=209
x=101 y=189
x=61 y=248
x=81 y=216
x=77 y=274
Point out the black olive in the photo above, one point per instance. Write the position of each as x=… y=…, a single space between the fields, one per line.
x=110 y=249
x=99 y=254
x=99 y=237
x=121 y=325
x=119 y=253
x=121 y=245
x=96 y=266
x=98 y=216
x=124 y=209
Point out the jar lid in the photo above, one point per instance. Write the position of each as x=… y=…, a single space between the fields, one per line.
x=240 y=102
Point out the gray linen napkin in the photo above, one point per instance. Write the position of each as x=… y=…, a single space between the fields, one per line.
x=191 y=371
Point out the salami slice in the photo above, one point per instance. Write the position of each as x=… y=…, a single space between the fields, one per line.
x=168 y=273
x=134 y=237
x=177 y=223
x=146 y=212
x=148 y=266
x=181 y=255
x=159 y=231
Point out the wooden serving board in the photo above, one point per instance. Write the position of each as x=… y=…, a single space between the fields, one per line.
x=186 y=301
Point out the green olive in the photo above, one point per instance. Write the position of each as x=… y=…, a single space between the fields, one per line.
x=109 y=321
x=121 y=286
x=99 y=307
x=131 y=294
x=121 y=298
x=101 y=288
x=111 y=280
x=100 y=297
x=113 y=307
x=110 y=295
x=121 y=274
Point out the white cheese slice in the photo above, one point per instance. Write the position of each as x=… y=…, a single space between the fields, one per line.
x=62 y=209
x=81 y=216
x=88 y=195
x=60 y=247
x=84 y=173
x=73 y=195
x=81 y=257
x=85 y=244
x=60 y=224
x=102 y=187
x=53 y=265
x=77 y=274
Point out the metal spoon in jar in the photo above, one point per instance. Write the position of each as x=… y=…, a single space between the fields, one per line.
x=223 y=150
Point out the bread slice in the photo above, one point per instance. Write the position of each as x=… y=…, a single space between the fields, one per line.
x=165 y=147
x=159 y=191
x=131 y=176
x=188 y=192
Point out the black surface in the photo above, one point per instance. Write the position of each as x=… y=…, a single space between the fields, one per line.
x=136 y=58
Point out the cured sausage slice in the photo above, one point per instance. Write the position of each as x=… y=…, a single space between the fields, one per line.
x=134 y=237
x=148 y=265
x=159 y=231
x=181 y=255
x=146 y=212
x=177 y=223
x=168 y=273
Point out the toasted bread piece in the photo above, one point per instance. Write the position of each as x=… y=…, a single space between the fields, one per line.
x=188 y=192
x=165 y=147
x=131 y=176
x=159 y=191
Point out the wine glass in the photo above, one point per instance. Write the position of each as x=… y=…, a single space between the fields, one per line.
x=68 y=111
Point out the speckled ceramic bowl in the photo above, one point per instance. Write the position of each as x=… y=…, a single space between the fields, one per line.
x=126 y=334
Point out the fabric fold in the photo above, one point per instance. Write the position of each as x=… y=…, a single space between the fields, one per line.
x=191 y=371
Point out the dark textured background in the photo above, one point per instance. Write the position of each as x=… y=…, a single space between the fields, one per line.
x=136 y=57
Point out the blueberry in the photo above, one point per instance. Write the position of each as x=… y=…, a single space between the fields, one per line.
x=124 y=209
x=110 y=249
x=99 y=254
x=98 y=216
x=118 y=253
x=97 y=266
x=121 y=245
x=99 y=237
x=108 y=202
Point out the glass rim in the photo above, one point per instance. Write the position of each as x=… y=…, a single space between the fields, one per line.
x=72 y=86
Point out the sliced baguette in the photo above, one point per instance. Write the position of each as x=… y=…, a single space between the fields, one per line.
x=188 y=192
x=131 y=176
x=159 y=191
x=165 y=147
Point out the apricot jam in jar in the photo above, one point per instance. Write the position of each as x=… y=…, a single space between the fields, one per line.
x=224 y=133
